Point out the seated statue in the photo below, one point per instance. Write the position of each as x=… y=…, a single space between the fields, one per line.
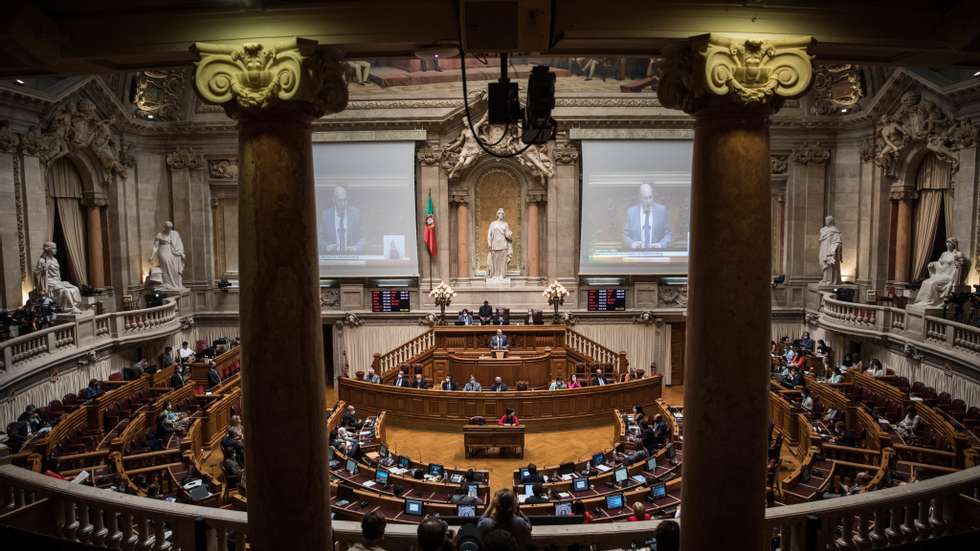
x=945 y=275
x=47 y=281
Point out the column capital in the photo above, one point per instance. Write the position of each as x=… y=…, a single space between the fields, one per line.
x=565 y=153
x=810 y=153
x=429 y=156
x=714 y=69
x=537 y=197
x=9 y=140
x=254 y=77
x=903 y=195
x=778 y=164
x=183 y=157
x=94 y=199
x=459 y=197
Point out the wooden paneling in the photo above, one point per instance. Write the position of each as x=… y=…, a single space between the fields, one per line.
x=678 y=332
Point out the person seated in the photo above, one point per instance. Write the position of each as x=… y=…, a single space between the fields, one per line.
x=486 y=313
x=668 y=535
x=509 y=418
x=472 y=385
x=909 y=425
x=799 y=361
x=214 y=379
x=498 y=341
x=829 y=416
x=579 y=509
x=629 y=457
x=177 y=378
x=401 y=380
x=876 y=369
x=419 y=382
x=372 y=532
x=837 y=378
x=349 y=419
x=573 y=382
x=557 y=384
x=806 y=343
x=639 y=512
x=185 y=354
x=598 y=379
x=639 y=416
x=661 y=431
x=434 y=535
x=371 y=377
x=631 y=375
x=93 y=390
x=449 y=383
x=504 y=514
x=532 y=476
x=233 y=441
x=789 y=354
x=347 y=443
x=167 y=357
x=536 y=495
x=498 y=385
x=464 y=317
x=806 y=401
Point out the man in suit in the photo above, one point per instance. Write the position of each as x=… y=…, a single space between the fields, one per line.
x=349 y=419
x=486 y=313
x=498 y=341
x=419 y=382
x=449 y=383
x=498 y=385
x=401 y=380
x=473 y=385
x=646 y=223
x=340 y=226
x=177 y=379
x=598 y=379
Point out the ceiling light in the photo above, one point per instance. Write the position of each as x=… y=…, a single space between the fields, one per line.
x=21 y=82
x=149 y=117
x=844 y=110
x=976 y=74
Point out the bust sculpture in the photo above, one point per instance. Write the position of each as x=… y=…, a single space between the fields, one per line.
x=501 y=244
x=168 y=250
x=945 y=274
x=48 y=282
x=830 y=252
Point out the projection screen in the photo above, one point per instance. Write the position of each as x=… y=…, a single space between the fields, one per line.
x=636 y=201
x=365 y=203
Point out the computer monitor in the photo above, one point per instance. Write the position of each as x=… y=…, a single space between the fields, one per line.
x=620 y=475
x=563 y=509
x=566 y=468
x=473 y=490
x=479 y=476
x=381 y=476
x=524 y=474
x=658 y=491
x=598 y=459
x=435 y=469
x=652 y=464
x=466 y=510
x=351 y=466
x=345 y=492
x=580 y=484
x=383 y=450
x=614 y=501
x=413 y=507
x=404 y=462
x=529 y=489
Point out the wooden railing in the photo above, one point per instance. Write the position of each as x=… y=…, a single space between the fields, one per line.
x=406 y=353
x=587 y=347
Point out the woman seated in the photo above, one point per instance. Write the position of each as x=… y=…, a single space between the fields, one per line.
x=557 y=384
x=573 y=382
x=908 y=426
x=509 y=418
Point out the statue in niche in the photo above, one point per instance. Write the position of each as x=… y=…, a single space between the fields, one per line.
x=945 y=275
x=168 y=249
x=501 y=243
x=830 y=252
x=47 y=281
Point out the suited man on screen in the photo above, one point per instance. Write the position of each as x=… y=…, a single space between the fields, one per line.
x=340 y=226
x=646 y=223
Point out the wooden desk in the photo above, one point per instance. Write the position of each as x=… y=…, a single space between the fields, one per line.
x=483 y=437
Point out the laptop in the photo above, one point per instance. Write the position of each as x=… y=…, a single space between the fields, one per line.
x=381 y=476
x=466 y=510
x=658 y=491
x=529 y=489
x=404 y=462
x=345 y=494
x=413 y=507
x=598 y=459
x=566 y=468
x=620 y=475
x=614 y=502
x=580 y=484
x=563 y=509
x=435 y=469
x=652 y=464
x=351 y=466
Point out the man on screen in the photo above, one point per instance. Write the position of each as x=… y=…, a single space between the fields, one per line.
x=340 y=226
x=646 y=223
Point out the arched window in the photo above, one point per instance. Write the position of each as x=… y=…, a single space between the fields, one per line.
x=66 y=225
x=934 y=212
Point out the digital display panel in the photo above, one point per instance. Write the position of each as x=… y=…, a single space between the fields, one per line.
x=390 y=301
x=606 y=300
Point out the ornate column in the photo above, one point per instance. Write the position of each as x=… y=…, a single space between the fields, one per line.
x=275 y=91
x=534 y=200
x=93 y=203
x=778 y=169
x=189 y=198
x=731 y=86
x=460 y=200
x=903 y=233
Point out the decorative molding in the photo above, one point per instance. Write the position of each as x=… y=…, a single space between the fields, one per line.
x=19 y=206
x=778 y=164
x=903 y=195
x=429 y=320
x=867 y=149
x=920 y=123
x=429 y=156
x=459 y=195
x=350 y=319
x=185 y=158
x=565 y=153
x=94 y=199
x=9 y=140
x=742 y=71
x=255 y=76
x=223 y=169
x=671 y=296
x=836 y=87
x=329 y=298
x=160 y=94
x=810 y=153
x=464 y=151
x=647 y=317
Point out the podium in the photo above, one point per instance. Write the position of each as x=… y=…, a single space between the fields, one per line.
x=485 y=437
x=498 y=354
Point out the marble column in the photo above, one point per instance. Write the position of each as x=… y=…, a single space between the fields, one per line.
x=903 y=234
x=462 y=235
x=778 y=230
x=276 y=90
x=534 y=234
x=731 y=86
x=93 y=204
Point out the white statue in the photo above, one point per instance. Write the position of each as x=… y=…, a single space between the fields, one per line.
x=945 y=275
x=169 y=250
x=47 y=281
x=501 y=243
x=830 y=252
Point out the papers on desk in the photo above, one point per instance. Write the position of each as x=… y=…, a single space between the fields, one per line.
x=369 y=484
x=567 y=476
x=639 y=478
x=604 y=468
x=564 y=495
x=521 y=498
x=397 y=470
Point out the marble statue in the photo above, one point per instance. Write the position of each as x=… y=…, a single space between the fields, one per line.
x=501 y=243
x=168 y=249
x=945 y=274
x=47 y=281
x=830 y=252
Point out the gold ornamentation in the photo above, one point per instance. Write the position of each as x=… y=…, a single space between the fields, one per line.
x=810 y=153
x=256 y=76
x=751 y=72
x=836 y=87
x=159 y=94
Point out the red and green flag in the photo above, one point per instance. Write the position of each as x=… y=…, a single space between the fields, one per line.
x=429 y=232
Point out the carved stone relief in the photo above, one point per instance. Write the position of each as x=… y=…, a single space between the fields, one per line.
x=672 y=296
x=836 y=87
x=223 y=169
x=778 y=164
x=182 y=158
x=464 y=151
x=160 y=94
x=9 y=140
x=565 y=153
x=329 y=299
x=810 y=153
x=429 y=156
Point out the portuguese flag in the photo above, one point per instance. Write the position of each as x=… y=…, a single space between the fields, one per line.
x=429 y=232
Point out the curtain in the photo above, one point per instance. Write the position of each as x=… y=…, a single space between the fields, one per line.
x=47 y=389
x=65 y=188
x=360 y=343
x=933 y=181
x=637 y=340
x=958 y=386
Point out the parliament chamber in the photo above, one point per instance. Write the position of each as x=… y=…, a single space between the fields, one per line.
x=489 y=275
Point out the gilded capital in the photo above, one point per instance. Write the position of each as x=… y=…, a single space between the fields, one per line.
x=743 y=71
x=254 y=76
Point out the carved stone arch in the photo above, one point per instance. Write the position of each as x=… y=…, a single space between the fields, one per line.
x=498 y=183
